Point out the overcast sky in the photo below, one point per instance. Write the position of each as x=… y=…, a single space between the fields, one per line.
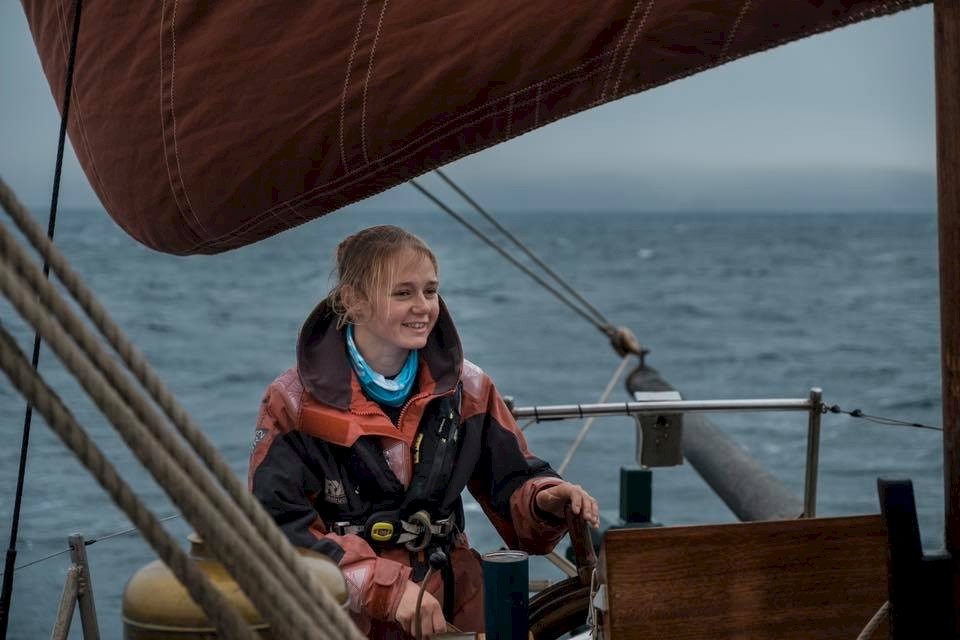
x=841 y=121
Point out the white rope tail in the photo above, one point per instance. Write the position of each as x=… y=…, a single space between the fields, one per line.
x=878 y=618
x=589 y=423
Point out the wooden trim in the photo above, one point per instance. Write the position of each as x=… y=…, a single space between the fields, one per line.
x=947 y=63
x=798 y=579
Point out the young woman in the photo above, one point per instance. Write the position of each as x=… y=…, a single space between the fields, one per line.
x=363 y=449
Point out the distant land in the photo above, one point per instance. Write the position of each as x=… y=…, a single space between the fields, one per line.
x=773 y=190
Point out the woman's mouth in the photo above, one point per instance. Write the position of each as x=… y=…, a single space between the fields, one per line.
x=416 y=326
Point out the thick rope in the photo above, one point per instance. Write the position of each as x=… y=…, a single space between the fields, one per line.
x=218 y=520
x=230 y=547
x=6 y=593
x=589 y=422
x=882 y=614
x=520 y=245
x=29 y=383
x=306 y=591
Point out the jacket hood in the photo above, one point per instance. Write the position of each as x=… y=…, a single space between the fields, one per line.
x=324 y=366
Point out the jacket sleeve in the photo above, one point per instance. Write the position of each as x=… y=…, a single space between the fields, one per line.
x=507 y=477
x=281 y=478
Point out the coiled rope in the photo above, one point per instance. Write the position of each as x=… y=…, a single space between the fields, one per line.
x=140 y=423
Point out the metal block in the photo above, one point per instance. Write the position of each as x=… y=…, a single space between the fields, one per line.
x=659 y=437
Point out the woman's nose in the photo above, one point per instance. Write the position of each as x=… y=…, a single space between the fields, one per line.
x=420 y=303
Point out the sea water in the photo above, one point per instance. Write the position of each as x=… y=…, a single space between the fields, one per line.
x=730 y=306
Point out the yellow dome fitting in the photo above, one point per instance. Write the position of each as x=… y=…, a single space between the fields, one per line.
x=156 y=606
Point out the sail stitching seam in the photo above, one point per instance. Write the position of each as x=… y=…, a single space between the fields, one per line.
x=346 y=83
x=173 y=118
x=366 y=84
x=254 y=223
x=616 y=51
x=460 y=117
x=163 y=120
x=736 y=27
x=633 y=43
x=510 y=117
x=536 y=111
x=81 y=123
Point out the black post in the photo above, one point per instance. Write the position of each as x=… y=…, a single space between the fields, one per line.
x=920 y=586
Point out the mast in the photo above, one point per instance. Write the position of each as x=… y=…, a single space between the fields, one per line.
x=947 y=63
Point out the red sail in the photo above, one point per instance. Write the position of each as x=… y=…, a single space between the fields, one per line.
x=206 y=126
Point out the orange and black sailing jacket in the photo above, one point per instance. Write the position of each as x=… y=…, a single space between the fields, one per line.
x=311 y=467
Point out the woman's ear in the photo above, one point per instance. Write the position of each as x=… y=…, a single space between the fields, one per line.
x=355 y=305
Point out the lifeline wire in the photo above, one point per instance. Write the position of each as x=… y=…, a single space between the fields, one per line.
x=857 y=413
x=520 y=245
x=6 y=594
x=87 y=543
x=477 y=232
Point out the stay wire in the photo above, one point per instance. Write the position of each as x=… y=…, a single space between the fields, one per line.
x=520 y=245
x=857 y=413
x=7 y=590
x=87 y=543
x=477 y=232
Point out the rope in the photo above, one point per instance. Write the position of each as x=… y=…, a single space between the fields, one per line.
x=882 y=614
x=230 y=545
x=520 y=245
x=857 y=413
x=6 y=593
x=312 y=599
x=220 y=512
x=603 y=328
x=621 y=339
x=226 y=619
x=87 y=543
x=589 y=422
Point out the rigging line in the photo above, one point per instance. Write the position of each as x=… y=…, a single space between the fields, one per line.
x=892 y=422
x=6 y=593
x=477 y=232
x=87 y=543
x=589 y=423
x=520 y=245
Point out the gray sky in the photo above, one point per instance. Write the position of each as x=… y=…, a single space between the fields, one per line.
x=842 y=121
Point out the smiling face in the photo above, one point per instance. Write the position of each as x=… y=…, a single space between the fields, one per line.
x=400 y=316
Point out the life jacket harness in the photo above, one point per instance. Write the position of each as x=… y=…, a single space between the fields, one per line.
x=387 y=528
x=423 y=517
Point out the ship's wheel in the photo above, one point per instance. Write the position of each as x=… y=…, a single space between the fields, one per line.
x=564 y=606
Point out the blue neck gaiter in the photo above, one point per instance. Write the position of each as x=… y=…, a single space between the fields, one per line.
x=392 y=392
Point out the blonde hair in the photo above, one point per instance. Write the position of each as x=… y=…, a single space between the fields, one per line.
x=366 y=264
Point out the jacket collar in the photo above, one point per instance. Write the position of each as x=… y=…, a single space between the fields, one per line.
x=324 y=366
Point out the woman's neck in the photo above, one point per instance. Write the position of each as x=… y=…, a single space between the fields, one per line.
x=385 y=359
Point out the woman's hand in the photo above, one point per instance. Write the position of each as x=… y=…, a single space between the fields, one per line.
x=553 y=499
x=431 y=613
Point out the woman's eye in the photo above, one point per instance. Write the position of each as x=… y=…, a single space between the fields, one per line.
x=430 y=293
x=401 y=293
